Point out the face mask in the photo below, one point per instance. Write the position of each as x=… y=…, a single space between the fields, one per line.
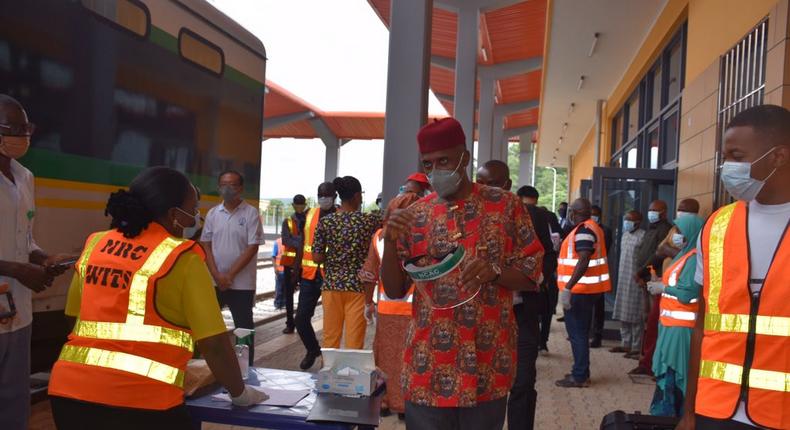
x=653 y=216
x=677 y=240
x=737 y=179
x=682 y=214
x=445 y=182
x=14 y=146
x=189 y=232
x=326 y=203
x=228 y=193
x=596 y=218
x=629 y=225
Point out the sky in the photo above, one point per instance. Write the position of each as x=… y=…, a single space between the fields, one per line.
x=332 y=54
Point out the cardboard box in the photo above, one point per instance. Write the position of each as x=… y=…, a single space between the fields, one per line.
x=348 y=372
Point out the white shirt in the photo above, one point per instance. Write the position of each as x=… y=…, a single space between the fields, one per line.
x=17 y=211
x=766 y=224
x=230 y=233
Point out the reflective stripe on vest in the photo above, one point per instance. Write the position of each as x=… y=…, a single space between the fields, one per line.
x=310 y=267
x=674 y=313
x=596 y=278
x=387 y=305
x=743 y=353
x=288 y=253
x=122 y=361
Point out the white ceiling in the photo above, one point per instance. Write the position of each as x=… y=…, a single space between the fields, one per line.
x=622 y=26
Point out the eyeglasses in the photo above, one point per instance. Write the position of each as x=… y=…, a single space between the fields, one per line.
x=25 y=129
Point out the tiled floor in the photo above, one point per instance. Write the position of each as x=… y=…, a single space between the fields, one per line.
x=558 y=408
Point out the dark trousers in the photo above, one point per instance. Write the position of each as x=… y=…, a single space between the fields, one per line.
x=523 y=396
x=240 y=303
x=484 y=416
x=70 y=414
x=552 y=293
x=309 y=293
x=599 y=316
x=651 y=334
x=289 y=287
x=279 y=289
x=577 y=323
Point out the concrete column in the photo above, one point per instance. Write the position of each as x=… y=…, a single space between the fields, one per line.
x=485 y=124
x=466 y=72
x=525 y=159
x=332 y=160
x=407 y=90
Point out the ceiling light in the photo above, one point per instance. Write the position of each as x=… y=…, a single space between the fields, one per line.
x=594 y=42
x=559 y=142
x=485 y=54
x=581 y=83
x=564 y=127
x=571 y=107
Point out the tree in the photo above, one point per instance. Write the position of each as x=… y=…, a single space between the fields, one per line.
x=544 y=179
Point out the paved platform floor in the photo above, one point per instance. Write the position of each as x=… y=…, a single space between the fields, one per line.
x=558 y=408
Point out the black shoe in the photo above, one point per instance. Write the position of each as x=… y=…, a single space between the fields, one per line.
x=561 y=319
x=595 y=343
x=288 y=330
x=385 y=412
x=402 y=417
x=569 y=382
x=543 y=350
x=309 y=360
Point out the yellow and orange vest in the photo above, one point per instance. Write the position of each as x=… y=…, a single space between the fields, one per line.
x=596 y=278
x=309 y=267
x=745 y=351
x=386 y=305
x=278 y=259
x=675 y=313
x=288 y=253
x=121 y=351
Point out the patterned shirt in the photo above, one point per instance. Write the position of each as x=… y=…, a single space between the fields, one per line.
x=466 y=355
x=344 y=239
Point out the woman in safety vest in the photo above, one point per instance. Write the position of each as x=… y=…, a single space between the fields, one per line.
x=392 y=316
x=142 y=296
x=679 y=296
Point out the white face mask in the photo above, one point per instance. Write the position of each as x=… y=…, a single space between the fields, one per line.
x=326 y=203
x=189 y=232
x=678 y=240
x=446 y=182
x=737 y=179
x=653 y=216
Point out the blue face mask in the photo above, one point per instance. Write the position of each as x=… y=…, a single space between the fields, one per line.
x=628 y=225
x=596 y=218
x=654 y=216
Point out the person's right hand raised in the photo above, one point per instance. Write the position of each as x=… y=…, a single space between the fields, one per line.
x=398 y=224
x=33 y=276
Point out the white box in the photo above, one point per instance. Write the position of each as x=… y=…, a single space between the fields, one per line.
x=348 y=372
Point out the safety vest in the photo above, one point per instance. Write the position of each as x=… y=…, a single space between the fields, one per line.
x=385 y=304
x=121 y=351
x=596 y=278
x=744 y=353
x=675 y=313
x=309 y=267
x=288 y=253
x=278 y=259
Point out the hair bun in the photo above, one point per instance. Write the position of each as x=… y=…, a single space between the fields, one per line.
x=129 y=214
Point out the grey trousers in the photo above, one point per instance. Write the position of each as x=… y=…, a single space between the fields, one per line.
x=484 y=416
x=631 y=335
x=15 y=379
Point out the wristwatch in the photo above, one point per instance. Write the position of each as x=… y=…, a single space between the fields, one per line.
x=495 y=267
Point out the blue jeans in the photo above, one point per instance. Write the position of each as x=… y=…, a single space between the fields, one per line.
x=577 y=323
x=279 y=283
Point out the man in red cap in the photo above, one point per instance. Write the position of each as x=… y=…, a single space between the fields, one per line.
x=460 y=359
x=417 y=183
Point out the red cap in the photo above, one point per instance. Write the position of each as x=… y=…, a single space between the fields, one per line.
x=420 y=177
x=441 y=134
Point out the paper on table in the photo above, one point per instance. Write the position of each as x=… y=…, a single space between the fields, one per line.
x=283 y=398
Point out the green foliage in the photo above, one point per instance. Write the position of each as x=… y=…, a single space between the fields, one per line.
x=544 y=179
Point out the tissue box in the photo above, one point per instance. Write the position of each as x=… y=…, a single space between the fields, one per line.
x=348 y=372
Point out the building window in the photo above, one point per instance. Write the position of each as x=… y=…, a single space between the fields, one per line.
x=129 y=14
x=200 y=51
x=645 y=131
x=741 y=86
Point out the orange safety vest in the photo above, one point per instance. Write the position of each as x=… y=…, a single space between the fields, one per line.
x=746 y=340
x=674 y=313
x=385 y=304
x=278 y=259
x=122 y=352
x=596 y=278
x=289 y=253
x=309 y=267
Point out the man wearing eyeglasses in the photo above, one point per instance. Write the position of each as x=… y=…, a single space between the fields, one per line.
x=460 y=356
x=24 y=267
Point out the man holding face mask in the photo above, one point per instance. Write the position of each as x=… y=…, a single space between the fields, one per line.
x=231 y=237
x=24 y=267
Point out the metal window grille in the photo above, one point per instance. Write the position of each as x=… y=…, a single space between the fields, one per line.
x=741 y=86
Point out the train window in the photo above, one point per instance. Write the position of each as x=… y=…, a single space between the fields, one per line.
x=200 y=51
x=129 y=14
